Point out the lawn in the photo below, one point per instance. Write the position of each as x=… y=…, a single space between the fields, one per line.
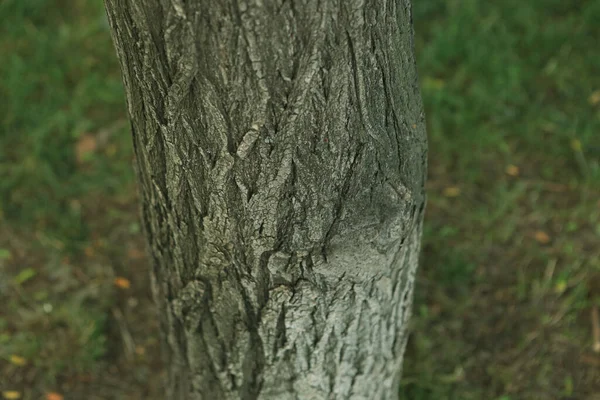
x=509 y=289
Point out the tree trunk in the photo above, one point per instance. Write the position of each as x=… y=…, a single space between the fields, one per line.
x=281 y=154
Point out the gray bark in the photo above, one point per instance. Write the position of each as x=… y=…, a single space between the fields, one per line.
x=281 y=154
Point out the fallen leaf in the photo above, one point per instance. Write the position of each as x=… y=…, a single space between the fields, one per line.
x=560 y=287
x=512 y=170
x=86 y=145
x=594 y=98
x=17 y=360
x=89 y=251
x=140 y=350
x=24 y=276
x=542 y=237
x=451 y=191
x=54 y=396
x=11 y=394
x=122 y=283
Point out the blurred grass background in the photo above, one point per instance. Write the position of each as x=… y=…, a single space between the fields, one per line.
x=507 y=295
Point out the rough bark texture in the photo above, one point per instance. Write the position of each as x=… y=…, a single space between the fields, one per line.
x=281 y=154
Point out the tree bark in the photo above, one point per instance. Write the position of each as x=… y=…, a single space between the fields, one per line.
x=281 y=155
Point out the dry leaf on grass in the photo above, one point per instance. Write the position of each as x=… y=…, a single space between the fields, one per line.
x=122 y=283
x=86 y=145
x=452 y=191
x=542 y=237
x=594 y=98
x=17 y=360
x=512 y=170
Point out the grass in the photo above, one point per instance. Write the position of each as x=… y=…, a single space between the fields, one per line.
x=67 y=204
x=510 y=257
x=511 y=266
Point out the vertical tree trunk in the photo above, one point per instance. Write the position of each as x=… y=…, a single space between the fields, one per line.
x=281 y=155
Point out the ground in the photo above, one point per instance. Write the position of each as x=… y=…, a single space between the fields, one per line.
x=508 y=293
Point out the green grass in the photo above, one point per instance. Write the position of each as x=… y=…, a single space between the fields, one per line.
x=60 y=82
x=502 y=312
x=498 y=314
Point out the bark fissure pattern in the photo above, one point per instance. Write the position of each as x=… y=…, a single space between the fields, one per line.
x=281 y=152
